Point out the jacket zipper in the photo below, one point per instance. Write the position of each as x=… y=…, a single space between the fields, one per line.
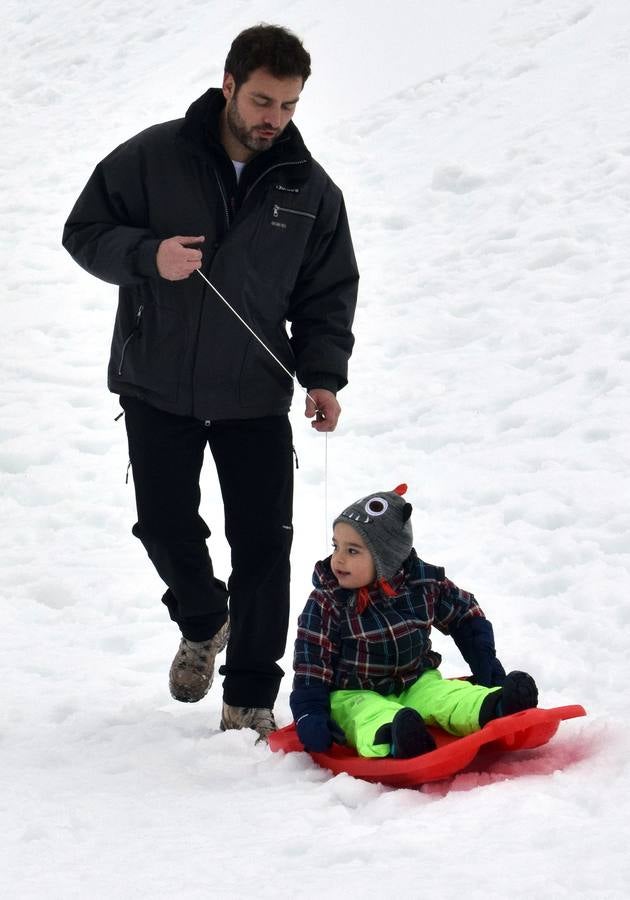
x=224 y=198
x=130 y=336
x=296 y=212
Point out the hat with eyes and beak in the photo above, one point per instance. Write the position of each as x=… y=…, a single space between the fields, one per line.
x=383 y=521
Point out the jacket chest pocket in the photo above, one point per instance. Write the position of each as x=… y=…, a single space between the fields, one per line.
x=281 y=240
x=281 y=215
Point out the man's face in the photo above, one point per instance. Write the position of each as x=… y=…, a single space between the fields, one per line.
x=261 y=109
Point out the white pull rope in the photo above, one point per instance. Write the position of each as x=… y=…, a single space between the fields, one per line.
x=253 y=333
x=293 y=378
x=326 y=525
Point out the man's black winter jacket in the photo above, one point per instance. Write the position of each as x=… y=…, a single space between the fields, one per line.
x=277 y=247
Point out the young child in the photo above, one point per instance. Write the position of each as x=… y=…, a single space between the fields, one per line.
x=365 y=672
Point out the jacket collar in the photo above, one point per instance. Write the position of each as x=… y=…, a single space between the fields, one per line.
x=324 y=579
x=200 y=129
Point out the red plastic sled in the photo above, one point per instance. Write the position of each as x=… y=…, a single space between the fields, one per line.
x=521 y=731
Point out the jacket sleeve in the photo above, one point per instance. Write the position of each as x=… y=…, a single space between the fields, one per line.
x=475 y=641
x=313 y=664
x=461 y=616
x=106 y=232
x=324 y=299
x=316 y=644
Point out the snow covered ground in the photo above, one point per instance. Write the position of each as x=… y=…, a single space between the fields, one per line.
x=484 y=152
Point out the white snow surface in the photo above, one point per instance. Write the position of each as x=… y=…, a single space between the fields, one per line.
x=484 y=153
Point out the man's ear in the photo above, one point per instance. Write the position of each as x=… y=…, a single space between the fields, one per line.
x=229 y=86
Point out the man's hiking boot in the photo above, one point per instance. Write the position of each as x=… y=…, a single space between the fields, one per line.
x=258 y=719
x=519 y=692
x=407 y=734
x=192 y=670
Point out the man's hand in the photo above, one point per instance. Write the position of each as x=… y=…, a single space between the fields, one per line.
x=175 y=260
x=325 y=409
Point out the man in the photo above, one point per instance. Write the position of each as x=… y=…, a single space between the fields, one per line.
x=231 y=191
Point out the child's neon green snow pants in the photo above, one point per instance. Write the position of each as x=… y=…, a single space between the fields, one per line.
x=451 y=704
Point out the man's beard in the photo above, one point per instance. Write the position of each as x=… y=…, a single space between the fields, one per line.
x=248 y=137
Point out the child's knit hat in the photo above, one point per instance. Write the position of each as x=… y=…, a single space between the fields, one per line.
x=383 y=521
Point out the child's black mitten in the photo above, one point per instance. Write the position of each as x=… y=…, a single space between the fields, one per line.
x=318 y=731
x=315 y=727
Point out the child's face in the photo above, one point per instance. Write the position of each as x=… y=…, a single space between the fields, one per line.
x=352 y=562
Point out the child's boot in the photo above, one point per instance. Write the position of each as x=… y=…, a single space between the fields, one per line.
x=519 y=692
x=407 y=734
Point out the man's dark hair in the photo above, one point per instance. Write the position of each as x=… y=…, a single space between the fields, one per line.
x=267 y=47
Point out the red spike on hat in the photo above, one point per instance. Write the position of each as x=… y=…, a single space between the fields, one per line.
x=400 y=490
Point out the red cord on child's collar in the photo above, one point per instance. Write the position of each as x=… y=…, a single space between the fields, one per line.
x=363 y=595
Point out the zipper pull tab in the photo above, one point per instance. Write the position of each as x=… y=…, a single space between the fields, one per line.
x=276 y=209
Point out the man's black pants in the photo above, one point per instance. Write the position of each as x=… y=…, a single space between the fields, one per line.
x=254 y=463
